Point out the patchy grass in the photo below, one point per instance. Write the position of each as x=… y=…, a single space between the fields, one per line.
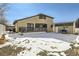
x=42 y=53
x=10 y=50
x=72 y=52
x=49 y=53
x=53 y=47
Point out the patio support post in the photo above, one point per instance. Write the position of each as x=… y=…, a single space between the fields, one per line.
x=34 y=26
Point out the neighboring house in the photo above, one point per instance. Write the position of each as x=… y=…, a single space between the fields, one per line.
x=10 y=28
x=69 y=27
x=2 y=29
x=39 y=22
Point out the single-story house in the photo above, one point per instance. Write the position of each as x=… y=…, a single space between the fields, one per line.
x=69 y=27
x=39 y=22
x=2 y=29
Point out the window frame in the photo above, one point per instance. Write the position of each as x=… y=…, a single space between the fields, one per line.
x=42 y=17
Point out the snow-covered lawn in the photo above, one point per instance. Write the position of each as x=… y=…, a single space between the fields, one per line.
x=39 y=44
x=35 y=45
x=59 y=36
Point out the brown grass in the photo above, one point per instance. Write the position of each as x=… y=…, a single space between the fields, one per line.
x=72 y=52
x=42 y=53
x=10 y=50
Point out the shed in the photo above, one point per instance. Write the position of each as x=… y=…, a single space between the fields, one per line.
x=2 y=29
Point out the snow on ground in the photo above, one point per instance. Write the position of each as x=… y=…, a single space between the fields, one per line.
x=6 y=44
x=35 y=45
x=59 y=36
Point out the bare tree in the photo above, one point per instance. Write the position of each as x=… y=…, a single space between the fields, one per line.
x=3 y=8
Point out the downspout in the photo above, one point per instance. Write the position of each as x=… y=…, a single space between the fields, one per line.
x=74 y=27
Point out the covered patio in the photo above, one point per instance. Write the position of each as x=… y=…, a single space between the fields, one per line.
x=34 y=27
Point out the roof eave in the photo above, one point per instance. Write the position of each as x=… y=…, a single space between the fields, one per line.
x=31 y=17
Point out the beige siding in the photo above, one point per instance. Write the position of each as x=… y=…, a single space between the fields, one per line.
x=34 y=20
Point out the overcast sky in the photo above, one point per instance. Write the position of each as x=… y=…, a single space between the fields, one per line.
x=60 y=12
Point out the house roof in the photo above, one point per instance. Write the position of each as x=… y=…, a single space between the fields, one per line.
x=64 y=23
x=30 y=17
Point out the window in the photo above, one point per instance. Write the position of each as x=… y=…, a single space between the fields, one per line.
x=42 y=17
x=38 y=25
x=45 y=25
x=41 y=25
x=30 y=25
